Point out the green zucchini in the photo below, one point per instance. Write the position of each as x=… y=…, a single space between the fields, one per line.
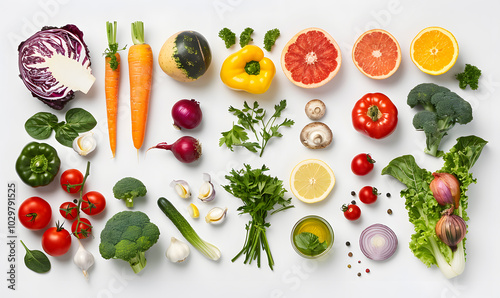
x=207 y=249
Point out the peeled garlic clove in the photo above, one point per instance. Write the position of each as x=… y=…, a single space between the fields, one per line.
x=193 y=211
x=177 y=251
x=182 y=188
x=85 y=143
x=207 y=190
x=216 y=215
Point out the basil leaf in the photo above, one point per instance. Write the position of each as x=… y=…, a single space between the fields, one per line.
x=309 y=244
x=36 y=260
x=65 y=134
x=40 y=125
x=80 y=120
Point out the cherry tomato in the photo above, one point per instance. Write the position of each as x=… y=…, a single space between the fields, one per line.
x=375 y=115
x=69 y=210
x=71 y=177
x=351 y=211
x=362 y=164
x=93 y=203
x=35 y=213
x=56 y=241
x=368 y=194
x=84 y=228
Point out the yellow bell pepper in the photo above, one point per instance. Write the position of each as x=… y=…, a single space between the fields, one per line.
x=248 y=70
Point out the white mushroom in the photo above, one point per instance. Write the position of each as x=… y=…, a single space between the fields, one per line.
x=316 y=135
x=315 y=109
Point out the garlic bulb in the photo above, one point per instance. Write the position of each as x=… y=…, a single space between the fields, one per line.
x=85 y=143
x=182 y=188
x=207 y=190
x=216 y=215
x=178 y=251
x=83 y=259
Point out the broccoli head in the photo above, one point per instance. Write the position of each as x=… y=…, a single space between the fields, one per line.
x=128 y=189
x=442 y=110
x=127 y=236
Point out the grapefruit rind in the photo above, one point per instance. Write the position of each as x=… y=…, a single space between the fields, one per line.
x=337 y=60
x=452 y=61
x=361 y=68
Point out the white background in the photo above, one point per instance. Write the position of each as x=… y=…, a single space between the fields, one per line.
x=476 y=27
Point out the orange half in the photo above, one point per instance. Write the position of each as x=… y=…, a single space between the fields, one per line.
x=434 y=50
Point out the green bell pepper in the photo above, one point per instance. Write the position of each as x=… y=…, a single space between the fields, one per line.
x=38 y=164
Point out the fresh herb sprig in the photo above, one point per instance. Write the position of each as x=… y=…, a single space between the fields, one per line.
x=78 y=120
x=262 y=195
x=253 y=119
x=228 y=36
x=246 y=36
x=309 y=244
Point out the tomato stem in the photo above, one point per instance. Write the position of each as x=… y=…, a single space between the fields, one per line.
x=374 y=113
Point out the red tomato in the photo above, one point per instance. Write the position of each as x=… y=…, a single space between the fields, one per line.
x=69 y=210
x=84 y=228
x=56 y=241
x=71 y=177
x=375 y=115
x=93 y=203
x=35 y=213
x=362 y=164
x=368 y=194
x=351 y=211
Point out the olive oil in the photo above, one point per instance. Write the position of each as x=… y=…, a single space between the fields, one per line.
x=317 y=226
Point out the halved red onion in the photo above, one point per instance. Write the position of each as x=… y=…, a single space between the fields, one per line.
x=378 y=242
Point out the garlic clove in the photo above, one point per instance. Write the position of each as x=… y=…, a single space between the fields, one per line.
x=216 y=215
x=181 y=187
x=207 y=190
x=193 y=211
x=83 y=259
x=85 y=143
x=177 y=251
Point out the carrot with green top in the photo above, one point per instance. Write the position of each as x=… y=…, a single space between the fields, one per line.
x=112 y=82
x=140 y=64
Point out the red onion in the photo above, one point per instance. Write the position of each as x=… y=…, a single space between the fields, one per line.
x=186 y=149
x=378 y=242
x=451 y=229
x=186 y=114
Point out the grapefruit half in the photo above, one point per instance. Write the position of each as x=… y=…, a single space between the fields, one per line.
x=311 y=58
x=376 y=54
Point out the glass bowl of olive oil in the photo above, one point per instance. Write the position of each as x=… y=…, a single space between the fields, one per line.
x=312 y=237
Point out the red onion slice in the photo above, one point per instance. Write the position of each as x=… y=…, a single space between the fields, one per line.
x=378 y=242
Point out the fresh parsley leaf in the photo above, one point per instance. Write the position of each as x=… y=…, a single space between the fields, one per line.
x=270 y=38
x=228 y=36
x=246 y=37
x=253 y=119
x=309 y=244
x=470 y=77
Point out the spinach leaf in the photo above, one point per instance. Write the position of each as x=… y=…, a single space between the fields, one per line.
x=36 y=260
x=80 y=120
x=309 y=244
x=40 y=125
x=65 y=135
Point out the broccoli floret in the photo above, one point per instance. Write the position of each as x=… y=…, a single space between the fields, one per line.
x=127 y=236
x=246 y=36
x=442 y=110
x=228 y=36
x=270 y=38
x=128 y=189
x=470 y=77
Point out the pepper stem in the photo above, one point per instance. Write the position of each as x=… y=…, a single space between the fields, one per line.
x=252 y=68
x=39 y=164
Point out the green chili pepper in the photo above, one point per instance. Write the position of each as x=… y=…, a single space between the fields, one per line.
x=38 y=164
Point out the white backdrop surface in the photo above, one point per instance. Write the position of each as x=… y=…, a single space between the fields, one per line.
x=477 y=29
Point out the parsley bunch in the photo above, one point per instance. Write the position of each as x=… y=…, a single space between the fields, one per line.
x=262 y=195
x=252 y=119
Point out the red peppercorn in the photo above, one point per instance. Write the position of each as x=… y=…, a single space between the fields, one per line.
x=367 y=270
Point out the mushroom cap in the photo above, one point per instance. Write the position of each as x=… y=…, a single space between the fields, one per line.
x=315 y=109
x=316 y=135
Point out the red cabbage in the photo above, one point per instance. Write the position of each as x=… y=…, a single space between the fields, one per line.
x=54 y=63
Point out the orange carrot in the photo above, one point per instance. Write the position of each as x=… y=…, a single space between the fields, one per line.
x=140 y=64
x=112 y=82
